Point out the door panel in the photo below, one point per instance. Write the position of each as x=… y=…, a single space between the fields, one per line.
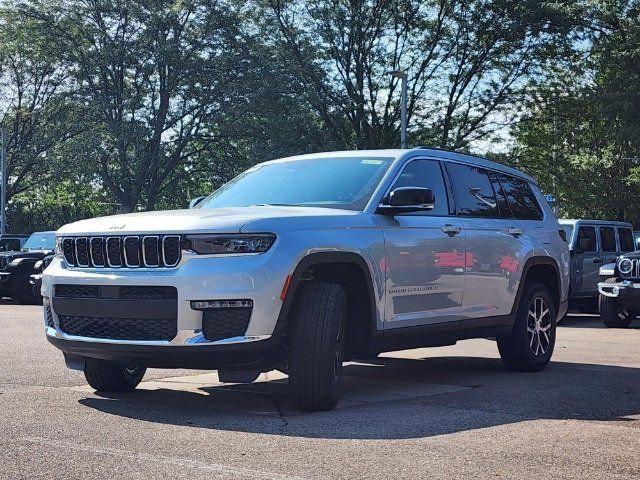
x=425 y=255
x=586 y=262
x=425 y=270
x=497 y=250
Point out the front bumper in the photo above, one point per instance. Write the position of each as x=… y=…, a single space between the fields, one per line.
x=255 y=277
x=624 y=289
x=259 y=355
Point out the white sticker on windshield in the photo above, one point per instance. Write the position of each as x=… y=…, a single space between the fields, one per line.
x=371 y=161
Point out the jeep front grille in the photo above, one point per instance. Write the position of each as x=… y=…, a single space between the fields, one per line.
x=635 y=270
x=132 y=251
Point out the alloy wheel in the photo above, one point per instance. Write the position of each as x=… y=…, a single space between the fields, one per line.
x=539 y=321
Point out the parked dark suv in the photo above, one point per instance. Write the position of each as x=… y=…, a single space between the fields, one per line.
x=17 y=266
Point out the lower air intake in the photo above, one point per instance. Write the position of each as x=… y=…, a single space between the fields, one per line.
x=118 y=328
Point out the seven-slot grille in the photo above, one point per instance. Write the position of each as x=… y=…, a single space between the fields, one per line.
x=123 y=251
x=635 y=269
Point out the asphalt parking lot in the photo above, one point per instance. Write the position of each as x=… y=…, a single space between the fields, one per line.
x=451 y=412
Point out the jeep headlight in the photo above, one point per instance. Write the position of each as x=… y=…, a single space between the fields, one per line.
x=625 y=265
x=215 y=244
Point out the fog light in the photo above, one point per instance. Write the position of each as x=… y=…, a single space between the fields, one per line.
x=208 y=304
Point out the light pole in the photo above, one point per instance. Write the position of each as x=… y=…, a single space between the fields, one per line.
x=403 y=105
x=3 y=181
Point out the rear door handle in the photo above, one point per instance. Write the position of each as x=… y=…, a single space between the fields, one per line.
x=597 y=260
x=516 y=232
x=451 y=230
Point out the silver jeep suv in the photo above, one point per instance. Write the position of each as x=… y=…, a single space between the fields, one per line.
x=305 y=262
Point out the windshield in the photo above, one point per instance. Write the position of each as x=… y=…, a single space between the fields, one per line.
x=568 y=230
x=40 y=241
x=345 y=182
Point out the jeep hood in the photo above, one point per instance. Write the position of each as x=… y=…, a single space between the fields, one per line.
x=219 y=220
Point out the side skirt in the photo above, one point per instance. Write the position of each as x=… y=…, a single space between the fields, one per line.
x=439 y=335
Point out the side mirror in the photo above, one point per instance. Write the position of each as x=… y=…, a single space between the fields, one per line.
x=195 y=201
x=407 y=199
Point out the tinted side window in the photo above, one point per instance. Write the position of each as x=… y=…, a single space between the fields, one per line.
x=503 y=206
x=9 y=244
x=427 y=174
x=626 y=240
x=521 y=198
x=608 y=239
x=586 y=241
x=473 y=190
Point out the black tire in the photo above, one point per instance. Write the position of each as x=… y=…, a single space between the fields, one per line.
x=21 y=290
x=612 y=312
x=530 y=345
x=317 y=346
x=112 y=377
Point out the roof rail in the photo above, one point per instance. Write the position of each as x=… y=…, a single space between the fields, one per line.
x=436 y=148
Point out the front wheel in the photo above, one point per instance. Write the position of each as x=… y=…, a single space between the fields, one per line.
x=530 y=345
x=112 y=377
x=22 y=290
x=317 y=346
x=612 y=312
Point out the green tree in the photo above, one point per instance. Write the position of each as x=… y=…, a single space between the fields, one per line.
x=466 y=63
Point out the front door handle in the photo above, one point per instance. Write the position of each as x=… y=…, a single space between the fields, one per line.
x=516 y=232
x=597 y=260
x=451 y=230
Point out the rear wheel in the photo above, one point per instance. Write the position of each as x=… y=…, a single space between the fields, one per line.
x=612 y=312
x=112 y=377
x=317 y=346
x=530 y=345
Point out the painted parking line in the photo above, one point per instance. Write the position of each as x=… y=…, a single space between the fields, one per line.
x=233 y=472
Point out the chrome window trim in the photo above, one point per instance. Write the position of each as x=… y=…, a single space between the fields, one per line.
x=75 y=243
x=144 y=256
x=119 y=240
x=93 y=262
x=124 y=251
x=164 y=262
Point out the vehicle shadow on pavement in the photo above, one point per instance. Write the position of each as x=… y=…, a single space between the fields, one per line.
x=591 y=321
x=403 y=398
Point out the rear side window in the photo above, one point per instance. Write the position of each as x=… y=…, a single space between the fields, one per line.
x=586 y=241
x=473 y=191
x=426 y=174
x=626 y=240
x=521 y=198
x=608 y=239
x=503 y=206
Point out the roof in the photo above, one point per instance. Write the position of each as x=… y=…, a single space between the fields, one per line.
x=574 y=221
x=398 y=153
x=472 y=160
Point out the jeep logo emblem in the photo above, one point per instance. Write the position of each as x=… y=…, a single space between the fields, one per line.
x=116 y=227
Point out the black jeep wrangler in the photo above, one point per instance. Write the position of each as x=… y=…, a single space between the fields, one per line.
x=17 y=266
x=619 y=289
